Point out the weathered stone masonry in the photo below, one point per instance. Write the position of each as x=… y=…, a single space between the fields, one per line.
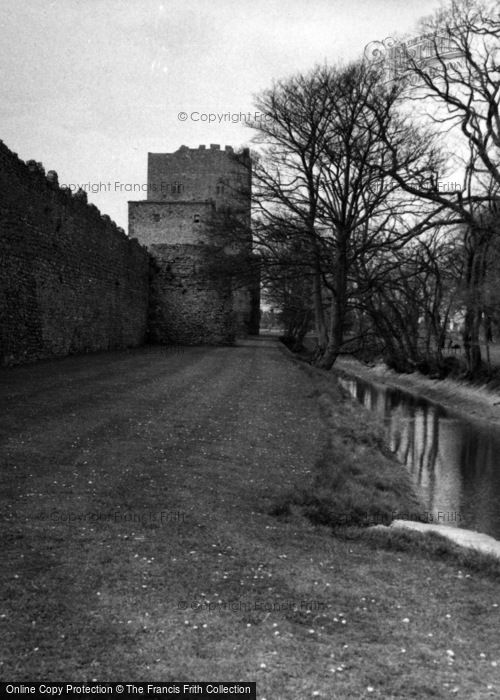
x=70 y=279
x=195 y=222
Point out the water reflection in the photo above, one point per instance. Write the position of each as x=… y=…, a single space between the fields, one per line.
x=454 y=464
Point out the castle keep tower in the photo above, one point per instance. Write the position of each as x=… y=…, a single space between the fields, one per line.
x=196 y=224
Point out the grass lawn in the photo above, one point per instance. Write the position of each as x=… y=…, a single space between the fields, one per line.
x=201 y=517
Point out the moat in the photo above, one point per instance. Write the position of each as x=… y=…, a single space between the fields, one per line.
x=454 y=463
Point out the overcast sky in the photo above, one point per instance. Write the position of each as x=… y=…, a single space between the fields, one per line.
x=90 y=86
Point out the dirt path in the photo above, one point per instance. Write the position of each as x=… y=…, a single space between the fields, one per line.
x=138 y=545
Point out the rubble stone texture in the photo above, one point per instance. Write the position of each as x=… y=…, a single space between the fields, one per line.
x=196 y=218
x=70 y=280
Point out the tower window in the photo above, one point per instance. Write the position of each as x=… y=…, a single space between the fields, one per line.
x=219 y=189
x=196 y=218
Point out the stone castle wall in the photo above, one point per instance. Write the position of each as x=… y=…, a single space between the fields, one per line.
x=195 y=222
x=189 y=304
x=70 y=279
x=178 y=222
x=202 y=174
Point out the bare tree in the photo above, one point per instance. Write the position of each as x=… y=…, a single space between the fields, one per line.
x=287 y=281
x=287 y=177
x=322 y=168
x=409 y=294
x=463 y=100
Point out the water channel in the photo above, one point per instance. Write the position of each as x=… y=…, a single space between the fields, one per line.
x=454 y=463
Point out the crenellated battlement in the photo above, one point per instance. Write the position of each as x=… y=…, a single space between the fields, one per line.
x=209 y=150
x=203 y=173
x=201 y=147
x=31 y=175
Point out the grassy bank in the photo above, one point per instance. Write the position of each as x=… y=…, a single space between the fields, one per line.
x=138 y=542
x=460 y=397
x=357 y=481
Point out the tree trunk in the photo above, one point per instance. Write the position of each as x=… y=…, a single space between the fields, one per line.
x=319 y=312
x=473 y=312
x=331 y=352
x=338 y=309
